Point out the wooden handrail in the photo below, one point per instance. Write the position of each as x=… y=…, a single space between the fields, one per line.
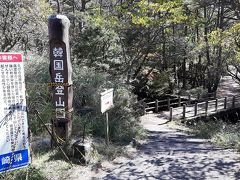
x=199 y=108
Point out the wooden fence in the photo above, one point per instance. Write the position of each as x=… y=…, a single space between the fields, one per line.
x=204 y=108
x=170 y=102
x=198 y=107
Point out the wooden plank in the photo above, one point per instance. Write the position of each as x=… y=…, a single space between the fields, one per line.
x=150 y=103
x=149 y=108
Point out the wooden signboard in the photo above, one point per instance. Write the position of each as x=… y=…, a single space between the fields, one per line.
x=14 y=146
x=61 y=74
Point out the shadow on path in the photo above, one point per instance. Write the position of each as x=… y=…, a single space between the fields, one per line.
x=172 y=154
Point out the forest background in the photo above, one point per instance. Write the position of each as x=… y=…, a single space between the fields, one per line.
x=141 y=48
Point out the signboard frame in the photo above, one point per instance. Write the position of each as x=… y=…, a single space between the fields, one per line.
x=106 y=104
x=14 y=145
x=106 y=100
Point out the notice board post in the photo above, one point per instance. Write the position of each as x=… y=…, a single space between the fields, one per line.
x=61 y=75
x=106 y=104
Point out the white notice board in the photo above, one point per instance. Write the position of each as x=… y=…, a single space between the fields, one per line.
x=14 y=146
x=106 y=100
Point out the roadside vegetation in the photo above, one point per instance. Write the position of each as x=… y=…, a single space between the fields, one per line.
x=220 y=132
x=142 y=49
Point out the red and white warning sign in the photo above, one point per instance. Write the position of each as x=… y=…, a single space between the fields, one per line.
x=14 y=147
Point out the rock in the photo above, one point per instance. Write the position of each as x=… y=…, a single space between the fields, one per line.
x=82 y=152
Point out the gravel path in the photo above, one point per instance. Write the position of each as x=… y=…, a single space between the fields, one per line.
x=171 y=154
x=228 y=87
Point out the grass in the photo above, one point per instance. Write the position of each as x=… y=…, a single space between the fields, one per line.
x=49 y=163
x=30 y=173
x=218 y=132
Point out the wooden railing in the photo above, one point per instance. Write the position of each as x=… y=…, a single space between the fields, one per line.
x=204 y=108
x=193 y=107
x=170 y=102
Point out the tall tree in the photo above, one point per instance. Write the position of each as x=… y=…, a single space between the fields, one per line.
x=19 y=22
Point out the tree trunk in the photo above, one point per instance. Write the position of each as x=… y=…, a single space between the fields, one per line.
x=184 y=62
x=165 y=64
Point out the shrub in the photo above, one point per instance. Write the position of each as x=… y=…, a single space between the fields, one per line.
x=38 y=96
x=123 y=118
x=88 y=84
x=218 y=132
x=30 y=173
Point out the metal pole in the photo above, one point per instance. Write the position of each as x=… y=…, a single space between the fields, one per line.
x=107 y=130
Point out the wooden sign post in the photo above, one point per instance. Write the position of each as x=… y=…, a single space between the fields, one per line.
x=106 y=104
x=61 y=75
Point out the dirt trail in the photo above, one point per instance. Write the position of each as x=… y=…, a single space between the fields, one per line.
x=166 y=154
x=228 y=87
x=171 y=154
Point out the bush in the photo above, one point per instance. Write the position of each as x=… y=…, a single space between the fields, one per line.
x=88 y=84
x=123 y=118
x=218 y=132
x=30 y=173
x=38 y=95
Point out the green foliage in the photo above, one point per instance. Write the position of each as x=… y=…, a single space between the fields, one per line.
x=88 y=84
x=110 y=152
x=148 y=44
x=219 y=132
x=30 y=173
x=38 y=95
x=146 y=13
x=124 y=124
x=20 y=19
x=208 y=129
x=123 y=118
x=97 y=45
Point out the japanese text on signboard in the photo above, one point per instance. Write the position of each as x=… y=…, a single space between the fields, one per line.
x=13 y=115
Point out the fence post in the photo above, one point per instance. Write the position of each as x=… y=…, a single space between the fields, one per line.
x=233 y=102
x=156 y=107
x=195 y=109
x=215 y=94
x=144 y=108
x=169 y=103
x=184 y=111
x=171 y=115
x=216 y=105
x=189 y=99
x=179 y=100
x=225 y=103
x=206 y=108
